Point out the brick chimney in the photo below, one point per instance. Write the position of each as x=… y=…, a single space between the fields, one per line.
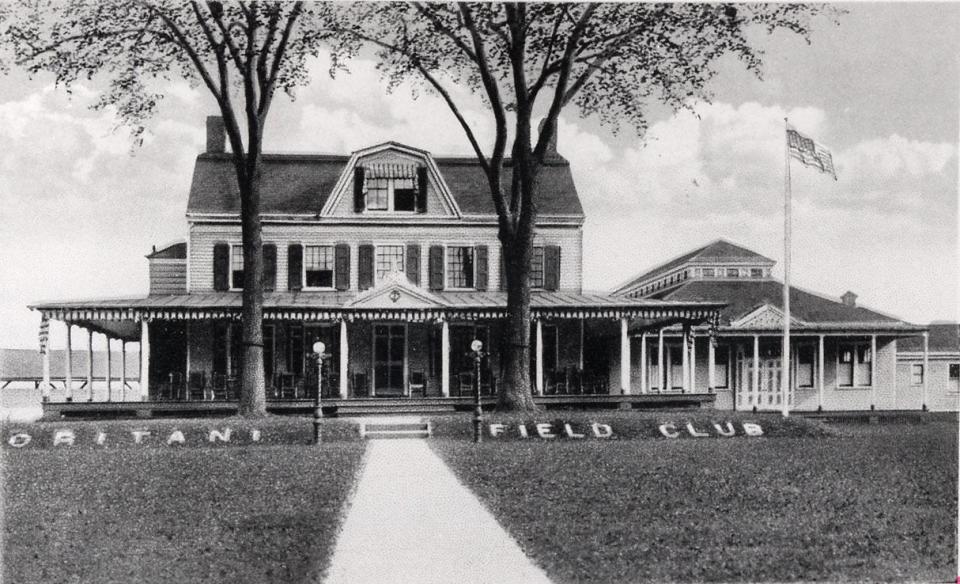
x=849 y=299
x=551 y=151
x=216 y=135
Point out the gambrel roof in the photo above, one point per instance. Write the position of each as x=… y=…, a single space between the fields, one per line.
x=299 y=184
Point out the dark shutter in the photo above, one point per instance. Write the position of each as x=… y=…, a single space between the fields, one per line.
x=365 y=269
x=436 y=267
x=551 y=267
x=221 y=266
x=413 y=263
x=422 y=189
x=269 y=267
x=482 y=268
x=358 y=189
x=295 y=267
x=503 y=268
x=342 y=263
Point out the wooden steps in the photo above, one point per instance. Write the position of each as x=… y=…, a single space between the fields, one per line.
x=401 y=428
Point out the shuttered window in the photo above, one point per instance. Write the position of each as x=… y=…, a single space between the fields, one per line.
x=365 y=266
x=318 y=266
x=221 y=266
x=536 y=268
x=389 y=260
x=269 y=267
x=342 y=278
x=460 y=267
x=551 y=267
x=413 y=263
x=294 y=267
x=236 y=267
x=436 y=267
x=390 y=187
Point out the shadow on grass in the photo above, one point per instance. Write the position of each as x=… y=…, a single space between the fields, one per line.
x=258 y=515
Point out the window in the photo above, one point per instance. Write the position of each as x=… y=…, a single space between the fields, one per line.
x=721 y=359
x=805 y=356
x=389 y=259
x=404 y=195
x=708 y=273
x=756 y=272
x=378 y=194
x=460 y=267
x=236 y=267
x=536 y=268
x=390 y=188
x=855 y=365
x=318 y=266
x=733 y=273
x=955 y=371
x=916 y=375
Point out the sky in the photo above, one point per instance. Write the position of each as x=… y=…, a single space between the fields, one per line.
x=82 y=206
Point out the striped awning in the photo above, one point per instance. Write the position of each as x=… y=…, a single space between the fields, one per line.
x=327 y=306
x=387 y=170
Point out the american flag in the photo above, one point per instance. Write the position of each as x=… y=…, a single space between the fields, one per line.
x=810 y=153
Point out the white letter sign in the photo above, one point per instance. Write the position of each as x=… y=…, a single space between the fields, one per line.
x=752 y=429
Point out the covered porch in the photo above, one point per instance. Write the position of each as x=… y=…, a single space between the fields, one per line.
x=393 y=342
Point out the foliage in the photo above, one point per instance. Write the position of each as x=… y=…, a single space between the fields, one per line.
x=256 y=515
x=608 y=60
x=241 y=51
x=875 y=505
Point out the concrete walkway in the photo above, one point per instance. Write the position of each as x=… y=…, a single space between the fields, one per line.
x=412 y=521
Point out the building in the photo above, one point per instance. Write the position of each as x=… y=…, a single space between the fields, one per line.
x=389 y=256
x=844 y=356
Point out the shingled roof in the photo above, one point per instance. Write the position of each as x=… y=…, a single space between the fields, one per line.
x=301 y=183
x=745 y=296
x=719 y=251
x=944 y=338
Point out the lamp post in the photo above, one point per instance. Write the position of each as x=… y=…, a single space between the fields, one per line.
x=477 y=347
x=319 y=350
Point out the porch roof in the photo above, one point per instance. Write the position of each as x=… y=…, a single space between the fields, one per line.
x=351 y=306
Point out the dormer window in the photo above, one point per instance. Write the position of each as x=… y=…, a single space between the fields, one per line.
x=733 y=272
x=398 y=188
x=756 y=272
x=708 y=272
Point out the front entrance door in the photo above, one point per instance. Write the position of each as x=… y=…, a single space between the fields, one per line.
x=389 y=355
x=769 y=395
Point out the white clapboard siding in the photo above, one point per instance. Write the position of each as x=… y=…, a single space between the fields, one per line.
x=168 y=276
x=203 y=236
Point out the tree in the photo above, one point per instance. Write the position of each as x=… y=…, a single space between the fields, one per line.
x=241 y=51
x=525 y=59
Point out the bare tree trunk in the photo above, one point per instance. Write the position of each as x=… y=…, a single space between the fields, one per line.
x=514 y=393
x=253 y=399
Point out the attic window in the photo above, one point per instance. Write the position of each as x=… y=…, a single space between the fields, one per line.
x=390 y=187
x=756 y=272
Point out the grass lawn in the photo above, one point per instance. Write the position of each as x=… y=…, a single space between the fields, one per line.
x=258 y=514
x=872 y=504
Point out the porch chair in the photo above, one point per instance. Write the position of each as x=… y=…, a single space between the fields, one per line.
x=465 y=383
x=197 y=385
x=288 y=386
x=359 y=384
x=417 y=383
x=218 y=387
x=488 y=383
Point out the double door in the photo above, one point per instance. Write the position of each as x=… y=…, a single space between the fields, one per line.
x=389 y=359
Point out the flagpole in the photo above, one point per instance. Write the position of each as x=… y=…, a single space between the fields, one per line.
x=785 y=356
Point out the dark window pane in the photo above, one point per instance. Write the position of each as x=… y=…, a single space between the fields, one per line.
x=236 y=279
x=404 y=199
x=320 y=278
x=955 y=371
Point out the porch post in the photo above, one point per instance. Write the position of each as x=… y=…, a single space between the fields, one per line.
x=144 y=359
x=873 y=372
x=685 y=358
x=711 y=357
x=926 y=369
x=445 y=359
x=90 y=363
x=693 y=362
x=643 y=363
x=186 y=366
x=660 y=372
x=624 y=357
x=123 y=370
x=46 y=374
x=229 y=349
x=69 y=376
x=109 y=373
x=539 y=380
x=756 y=371
x=580 y=361
x=344 y=358
x=820 y=376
